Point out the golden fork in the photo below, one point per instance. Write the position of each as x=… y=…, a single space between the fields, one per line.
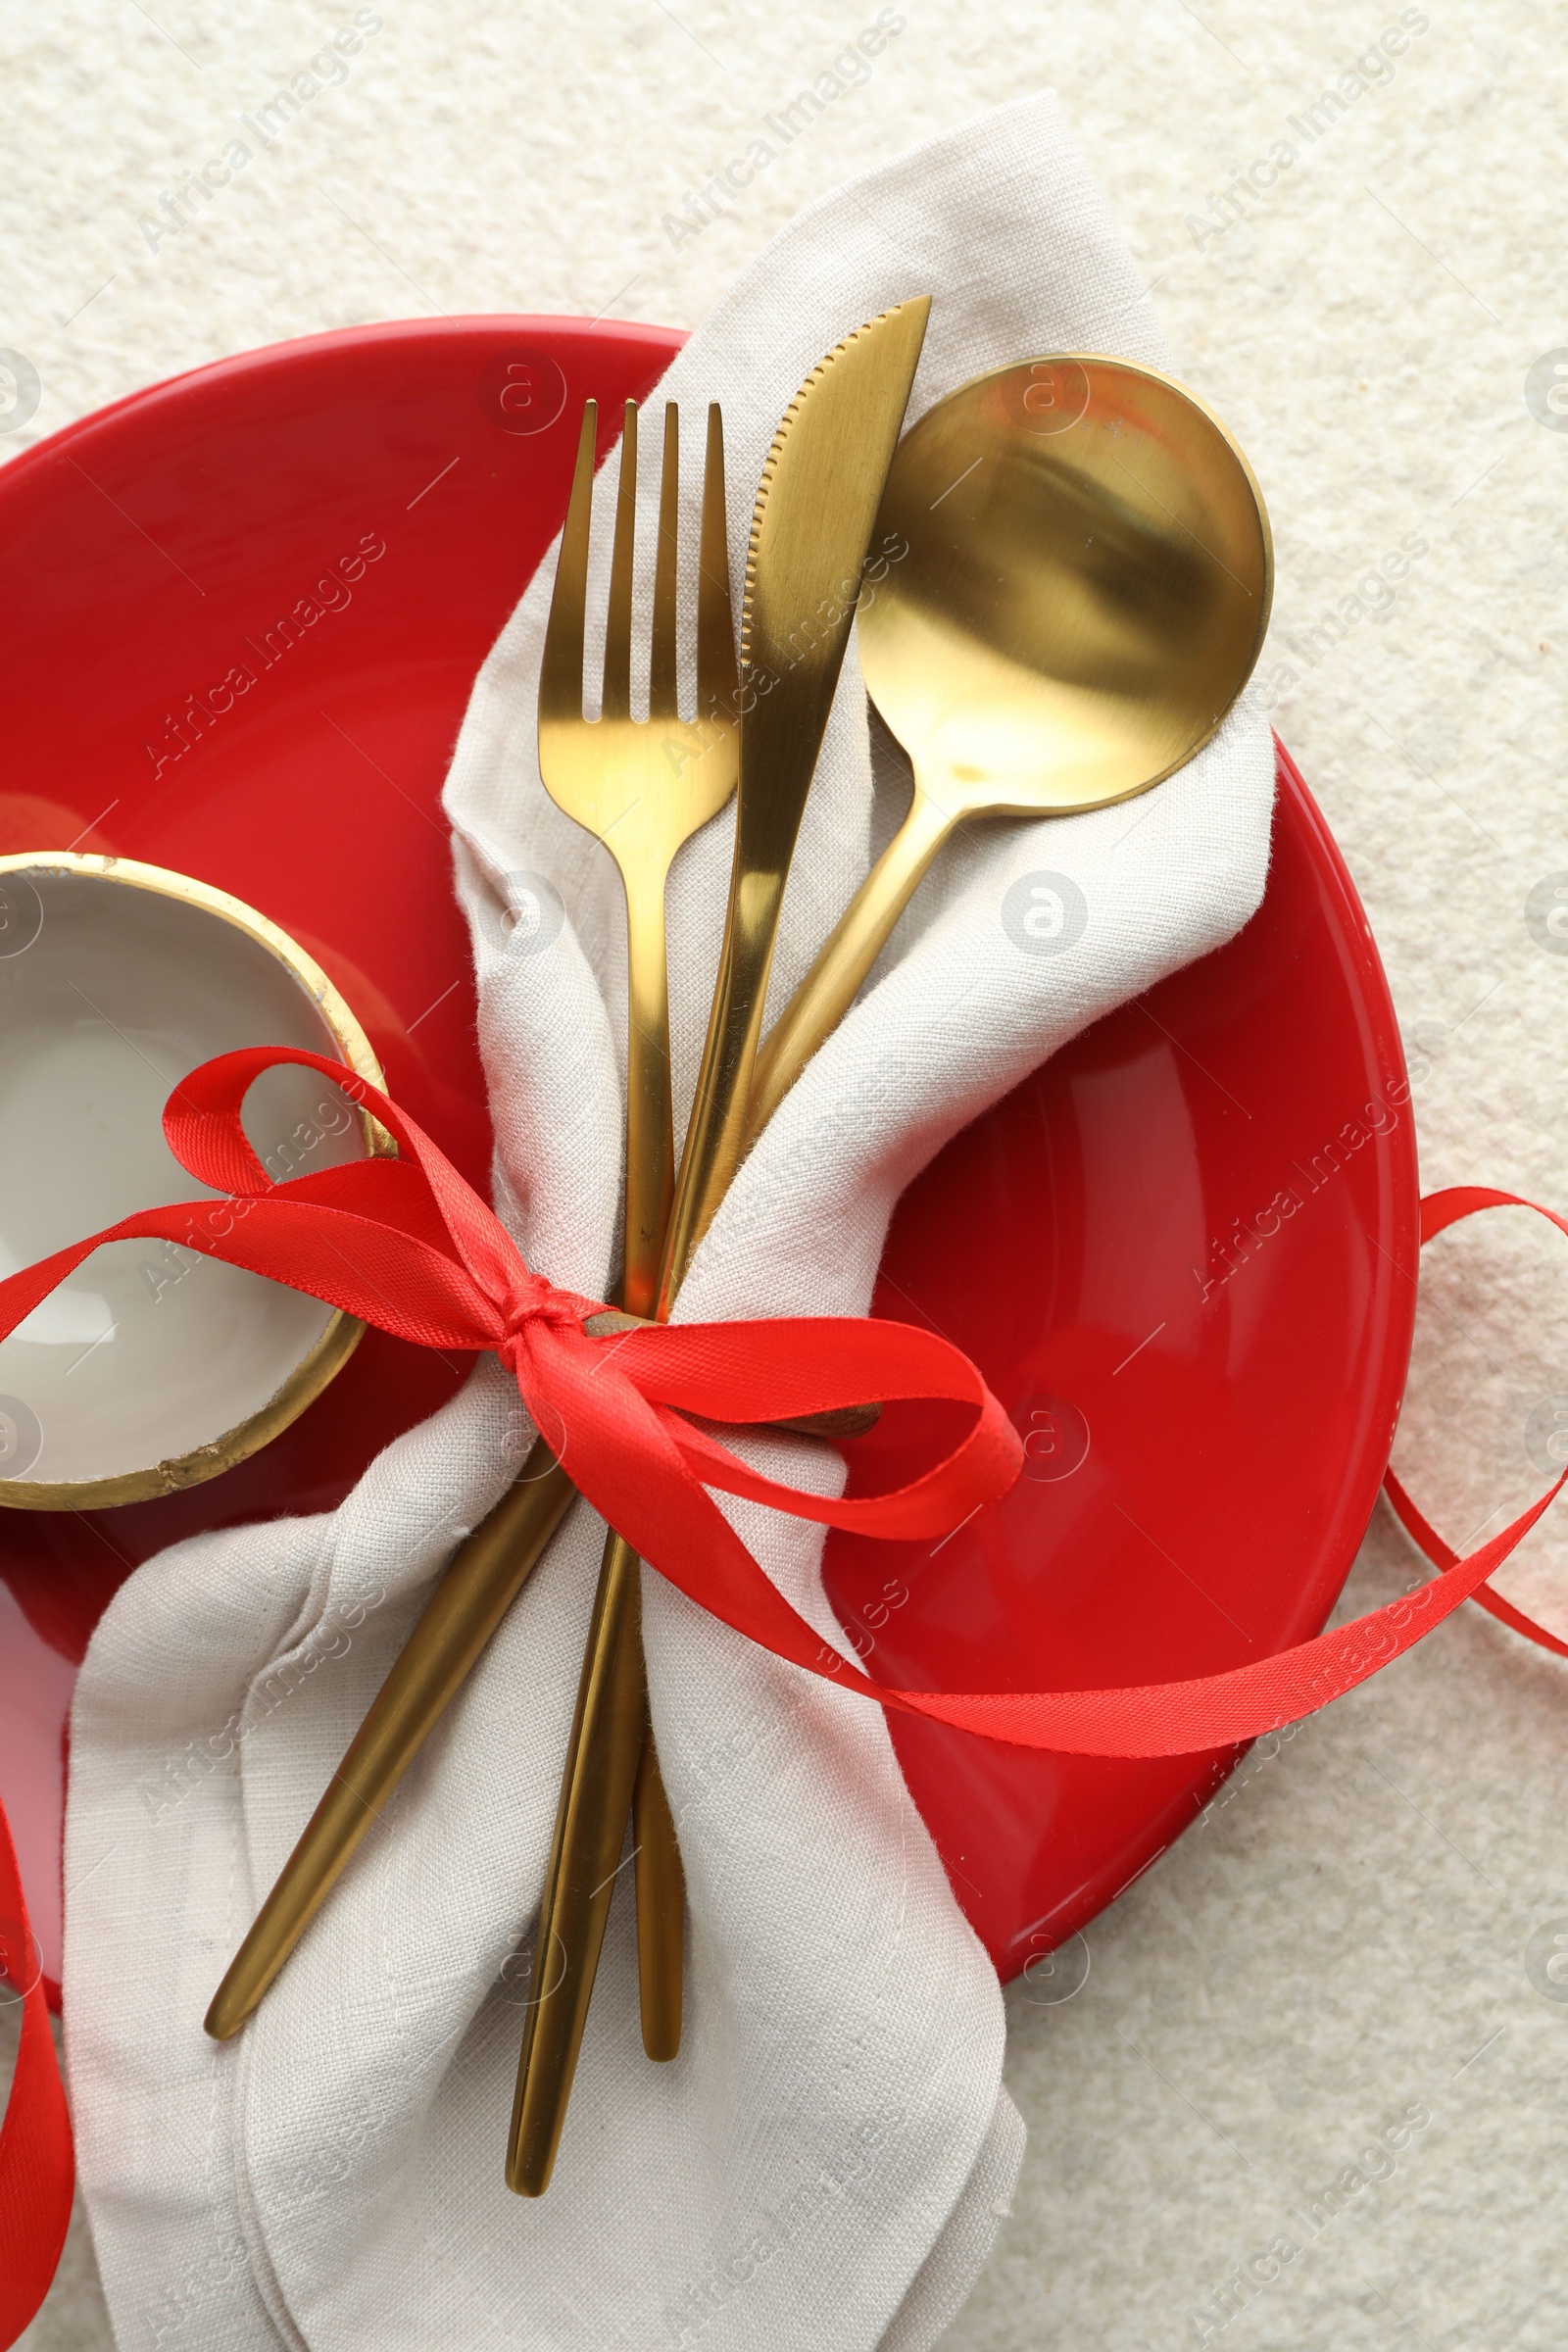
x=643 y=787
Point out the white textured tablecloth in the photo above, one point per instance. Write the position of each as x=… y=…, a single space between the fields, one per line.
x=1292 y=1975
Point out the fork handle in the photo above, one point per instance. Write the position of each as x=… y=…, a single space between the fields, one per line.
x=834 y=980
x=650 y=1125
x=661 y=1886
x=611 y=1750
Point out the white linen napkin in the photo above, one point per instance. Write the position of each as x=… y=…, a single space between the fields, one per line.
x=826 y=2162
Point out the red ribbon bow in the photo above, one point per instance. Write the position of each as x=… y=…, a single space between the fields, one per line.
x=407 y=1244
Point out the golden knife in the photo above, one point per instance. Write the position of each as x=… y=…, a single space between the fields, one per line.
x=816 y=508
x=813 y=519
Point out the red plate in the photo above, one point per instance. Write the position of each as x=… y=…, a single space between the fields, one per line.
x=242 y=612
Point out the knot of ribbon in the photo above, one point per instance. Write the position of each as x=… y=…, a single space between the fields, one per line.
x=537 y=1302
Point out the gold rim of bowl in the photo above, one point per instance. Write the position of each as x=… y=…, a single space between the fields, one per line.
x=343 y=1332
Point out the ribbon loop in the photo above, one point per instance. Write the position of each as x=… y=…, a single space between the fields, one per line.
x=409 y=1245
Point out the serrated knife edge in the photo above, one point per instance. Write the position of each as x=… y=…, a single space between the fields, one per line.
x=776 y=449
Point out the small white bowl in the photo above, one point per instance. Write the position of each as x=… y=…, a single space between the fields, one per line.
x=152 y=1367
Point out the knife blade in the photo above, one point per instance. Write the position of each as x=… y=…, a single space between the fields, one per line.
x=810 y=527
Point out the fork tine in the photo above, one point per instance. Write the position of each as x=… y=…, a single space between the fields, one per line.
x=618 y=621
x=717 y=680
x=560 y=670
x=662 y=690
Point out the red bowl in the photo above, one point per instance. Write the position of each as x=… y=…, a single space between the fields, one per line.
x=1207 y=1385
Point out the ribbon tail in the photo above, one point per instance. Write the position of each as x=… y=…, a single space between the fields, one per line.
x=38 y=2169
x=1426 y=1537
x=775 y=1369
x=1223 y=1711
x=671 y=1520
x=20 y=1293
x=374 y=1270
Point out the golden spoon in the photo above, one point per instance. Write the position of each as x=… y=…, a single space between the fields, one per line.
x=1077 y=583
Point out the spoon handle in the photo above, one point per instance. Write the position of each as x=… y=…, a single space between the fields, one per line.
x=834 y=980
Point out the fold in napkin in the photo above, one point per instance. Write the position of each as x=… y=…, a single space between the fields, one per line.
x=826 y=2162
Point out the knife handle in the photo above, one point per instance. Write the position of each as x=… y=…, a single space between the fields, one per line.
x=487 y=1573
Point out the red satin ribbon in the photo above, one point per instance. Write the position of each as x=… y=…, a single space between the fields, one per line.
x=1440 y=1210
x=409 y=1245
x=37 y=2174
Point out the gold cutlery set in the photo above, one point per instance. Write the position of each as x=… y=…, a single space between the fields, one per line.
x=1074 y=573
